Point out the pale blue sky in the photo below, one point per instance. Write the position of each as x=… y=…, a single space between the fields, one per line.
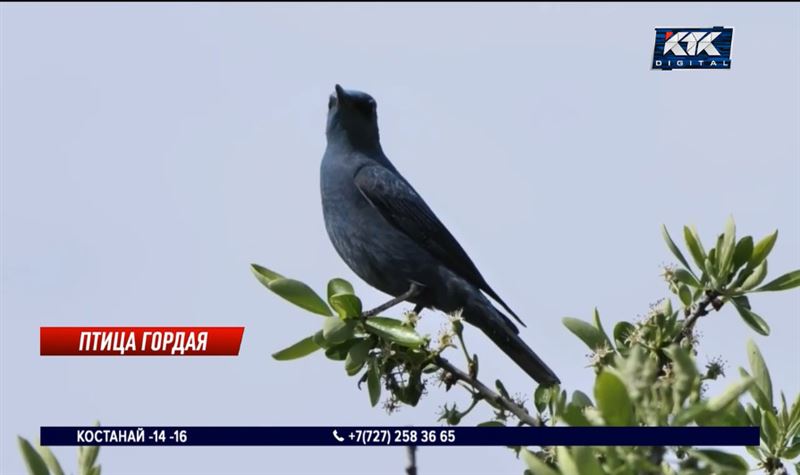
x=151 y=152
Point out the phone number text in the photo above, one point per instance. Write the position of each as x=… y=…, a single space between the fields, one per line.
x=402 y=436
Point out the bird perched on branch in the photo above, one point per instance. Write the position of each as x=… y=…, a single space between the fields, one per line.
x=391 y=239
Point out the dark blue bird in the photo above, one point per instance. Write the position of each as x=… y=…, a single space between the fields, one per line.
x=389 y=237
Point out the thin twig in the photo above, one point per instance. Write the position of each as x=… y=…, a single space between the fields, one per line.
x=459 y=375
x=411 y=452
x=411 y=292
x=700 y=310
x=485 y=392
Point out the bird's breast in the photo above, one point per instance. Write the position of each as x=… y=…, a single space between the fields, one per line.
x=375 y=250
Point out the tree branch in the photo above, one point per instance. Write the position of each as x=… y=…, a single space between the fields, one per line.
x=411 y=452
x=495 y=399
x=492 y=397
x=701 y=310
x=412 y=291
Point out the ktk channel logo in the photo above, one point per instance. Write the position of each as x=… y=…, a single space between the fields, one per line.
x=693 y=48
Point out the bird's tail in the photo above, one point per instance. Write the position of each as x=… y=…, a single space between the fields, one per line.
x=503 y=333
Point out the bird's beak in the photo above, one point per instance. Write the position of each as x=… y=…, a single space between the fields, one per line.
x=341 y=96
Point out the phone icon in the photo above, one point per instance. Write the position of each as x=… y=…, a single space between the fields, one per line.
x=336 y=436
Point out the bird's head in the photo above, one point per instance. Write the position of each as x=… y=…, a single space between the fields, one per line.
x=352 y=116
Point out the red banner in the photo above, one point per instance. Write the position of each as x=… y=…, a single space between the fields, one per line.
x=140 y=341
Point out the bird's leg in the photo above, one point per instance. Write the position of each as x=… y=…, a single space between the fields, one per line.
x=412 y=291
x=418 y=309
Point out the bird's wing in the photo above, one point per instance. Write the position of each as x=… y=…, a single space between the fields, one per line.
x=402 y=206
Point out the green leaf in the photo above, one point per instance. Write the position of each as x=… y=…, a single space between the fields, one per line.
x=613 y=400
x=695 y=247
x=667 y=308
x=753 y=414
x=536 y=465
x=787 y=281
x=412 y=391
x=590 y=335
x=320 y=341
x=33 y=461
x=374 y=382
x=751 y=318
x=357 y=356
x=769 y=429
x=578 y=461
x=300 y=294
x=682 y=361
x=758 y=396
x=599 y=326
x=792 y=452
x=686 y=377
x=335 y=330
x=784 y=414
x=685 y=295
x=716 y=256
x=501 y=388
x=622 y=331
x=743 y=251
x=300 y=349
x=580 y=399
x=558 y=399
x=723 y=461
x=88 y=456
x=794 y=418
x=688 y=414
x=685 y=277
x=760 y=371
x=491 y=424
x=738 y=416
x=586 y=461
x=541 y=397
x=346 y=305
x=672 y=247
x=264 y=275
x=762 y=249
x=698 y=292
x=732 y=393
x=712 y=271
x=755 y=453
x=727 y=246
x=339 y=286
x=394 y=330
x=430 y=368
x=339 y=352
x=566 y=463
x=755 y=277
x=51 y=461
x=574 y=416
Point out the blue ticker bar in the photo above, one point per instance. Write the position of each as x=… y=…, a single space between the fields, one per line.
x=363 y=436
